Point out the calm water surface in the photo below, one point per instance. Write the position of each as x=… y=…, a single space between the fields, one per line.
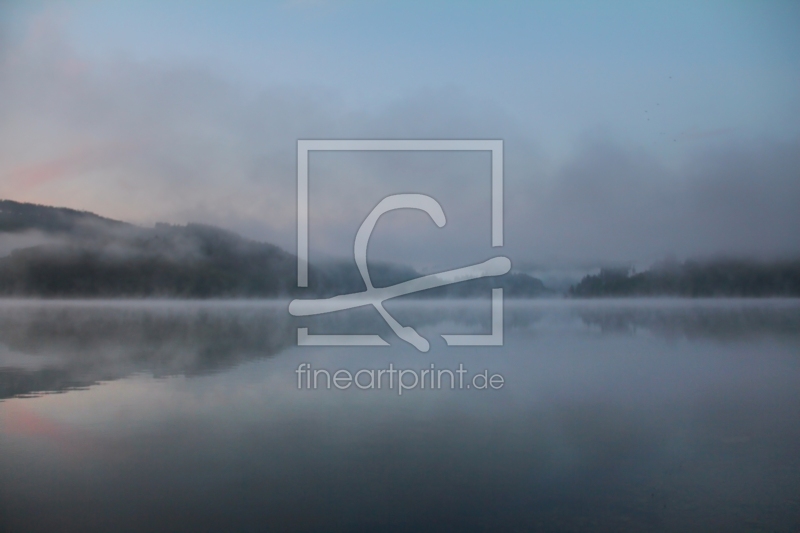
x=639 y=415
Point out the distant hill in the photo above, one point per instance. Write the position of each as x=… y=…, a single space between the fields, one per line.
x=80 y=254
x=719 y=277
x=95 y=256
x=17 y=216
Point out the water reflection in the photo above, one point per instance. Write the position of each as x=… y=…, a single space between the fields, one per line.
x=616 y=416
x=719 y=319
x=60 y=346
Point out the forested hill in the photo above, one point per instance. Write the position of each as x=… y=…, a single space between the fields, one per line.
x=85 y=255
x=67 y=253
x=718 y=277
x=17 y=217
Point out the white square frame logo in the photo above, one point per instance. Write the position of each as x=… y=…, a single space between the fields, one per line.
x=305 y=146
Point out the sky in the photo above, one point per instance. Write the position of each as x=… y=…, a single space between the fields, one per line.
x=633 y=131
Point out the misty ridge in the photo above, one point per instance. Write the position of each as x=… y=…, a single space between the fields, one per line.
x=718 y=277
x=64 y=253
x=68 y=253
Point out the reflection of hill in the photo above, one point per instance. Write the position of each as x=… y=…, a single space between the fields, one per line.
x=68 y=346
x=58 y=346
x=721 y=320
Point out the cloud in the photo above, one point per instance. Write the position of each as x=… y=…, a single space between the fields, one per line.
x=178 y=143
x=25 y=239
x=610 y=203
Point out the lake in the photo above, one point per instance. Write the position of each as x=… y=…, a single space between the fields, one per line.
x=607 y=415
